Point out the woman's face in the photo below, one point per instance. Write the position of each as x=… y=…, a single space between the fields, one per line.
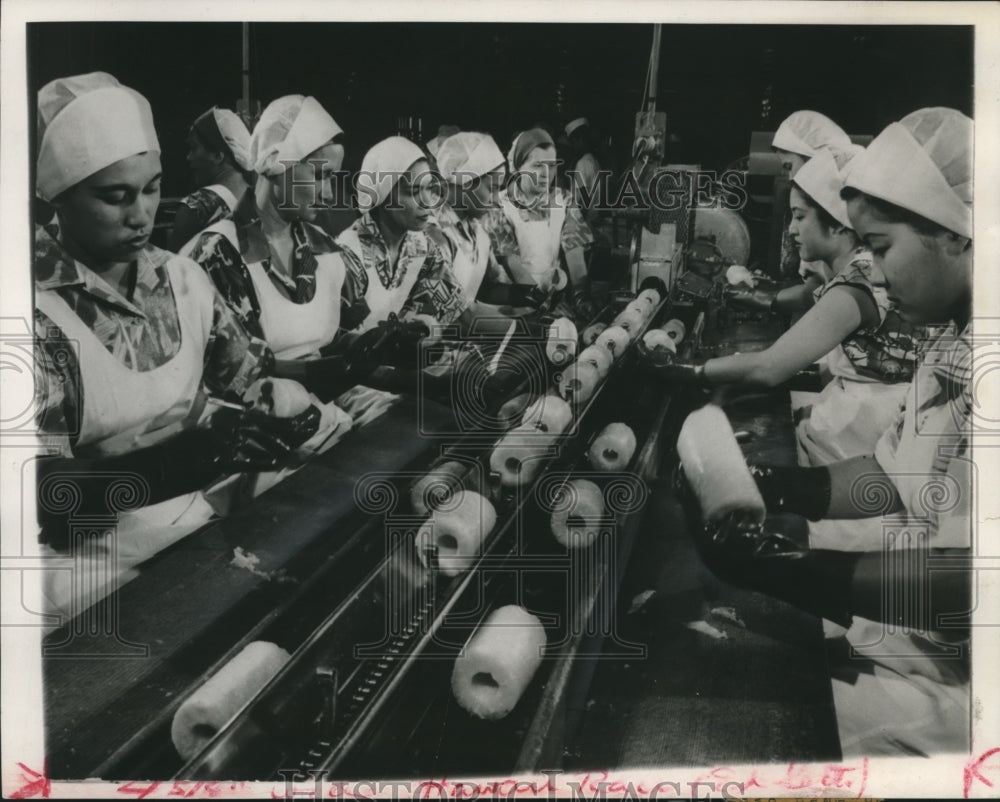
x=202 y=162
x=791 y=163
x=308 y=183
x=414 y=198
x=538 y=171
x=812 y=238
x=485 y=193
x=108 y=217
x=928 y=277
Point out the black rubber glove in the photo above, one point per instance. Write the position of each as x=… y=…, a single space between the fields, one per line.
x=253 y=441
x=514 y=295
x=584 y=308
x=744 y=553
x=835 y=585
x=325 y=377
x=403 y=345
x=234 y=442
x=756 y=299
x=808 y=380
x=663 y=365
x=392 y=342
x=805 y=491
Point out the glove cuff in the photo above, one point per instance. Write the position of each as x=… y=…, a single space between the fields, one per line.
x=805 y=491
x=818 y=581
x=701 y=379
x=328 y=377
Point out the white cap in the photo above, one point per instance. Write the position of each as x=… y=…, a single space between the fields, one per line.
x=572 y=125
x=470 y=153
x=805 y=132
x=290 y=128
x=822 y=178
x=86 y=123
x=235 y=135
x=382 y=167
x=923 y=163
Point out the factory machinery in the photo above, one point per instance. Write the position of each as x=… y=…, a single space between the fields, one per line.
x=342 y=572
x=329 y=625
x=373 y=623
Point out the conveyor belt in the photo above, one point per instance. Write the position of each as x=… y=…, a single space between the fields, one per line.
x=386 y=713
x=191 y=605
x=761 y=694
x=389 y=711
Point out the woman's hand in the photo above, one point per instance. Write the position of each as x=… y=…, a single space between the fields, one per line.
x=255 y=441
x=755 y=299
x=805 y=491
x=665 y=366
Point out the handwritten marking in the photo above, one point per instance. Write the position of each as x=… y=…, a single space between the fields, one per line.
x=35 y=783
x=972 y=773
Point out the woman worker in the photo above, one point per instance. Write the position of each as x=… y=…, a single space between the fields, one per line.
x=219 y=156
x=909 y=197
x=584 y=178
x=395 y=270
x=130 y=338
x=800 y=136
x=537 y=221
x=283 y=276
x=871 y=348
x=472 y=167
x=279 y=272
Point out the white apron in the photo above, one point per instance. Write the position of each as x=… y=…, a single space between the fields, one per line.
x=294 y=330
x=848 y=416
x=913 y=702
x=538 y=241
x=124 y=410
x=383 y=301
x=471 y=259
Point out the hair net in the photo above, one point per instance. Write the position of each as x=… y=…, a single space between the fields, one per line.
x=805 y=132
x=382 y=167
x=524 y=143
x=469 y=153
x=222 y=129
x=822 y=178
x=923 y=163
x=290 y=128
x=86 y=123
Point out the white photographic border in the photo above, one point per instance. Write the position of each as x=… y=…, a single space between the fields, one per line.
x=976 y=774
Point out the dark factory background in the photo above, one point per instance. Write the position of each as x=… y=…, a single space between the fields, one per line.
x=716 y=82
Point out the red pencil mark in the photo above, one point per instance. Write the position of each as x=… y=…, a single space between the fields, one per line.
x=972 y=772
x=35 y=784
x=803 y=780
x=139 y=790
x=188 y=789
x=864 y=778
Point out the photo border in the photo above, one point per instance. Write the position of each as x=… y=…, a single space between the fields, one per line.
x=23 y=760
